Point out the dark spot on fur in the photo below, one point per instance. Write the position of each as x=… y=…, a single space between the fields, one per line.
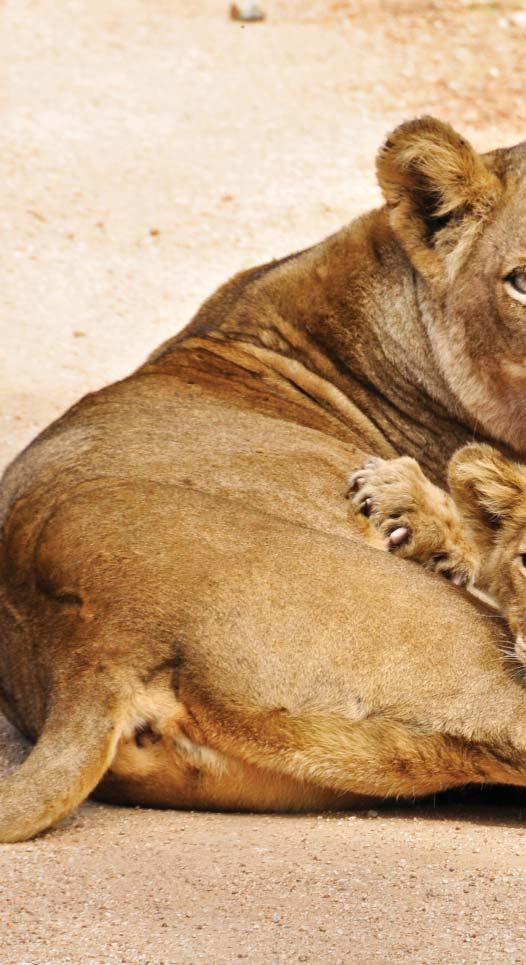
x=67 y=597
x=402 y=767
x=436 y=222
x=378 y=251
x=439 y=557
x=174 y=664
x=146 y=735
x=70 y=598
x=504 y=755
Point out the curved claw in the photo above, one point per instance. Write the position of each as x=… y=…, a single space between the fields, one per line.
x=354 y=484
x=366 y=507
x=458 y=579
x=399 y=536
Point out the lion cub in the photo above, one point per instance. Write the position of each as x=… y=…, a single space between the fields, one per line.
x=476 y=536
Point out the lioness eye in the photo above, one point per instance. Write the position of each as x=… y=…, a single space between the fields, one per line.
x=515 y=284
x=523 y=560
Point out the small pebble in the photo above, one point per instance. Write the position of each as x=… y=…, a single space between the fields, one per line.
x=372 y=814
x=246 y=10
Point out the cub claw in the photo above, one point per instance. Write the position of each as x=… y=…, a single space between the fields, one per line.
x=417 y=520
x=458 y=579
x=354 y=484
x=399 y=536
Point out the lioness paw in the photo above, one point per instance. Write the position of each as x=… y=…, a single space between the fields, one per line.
x=416 y=519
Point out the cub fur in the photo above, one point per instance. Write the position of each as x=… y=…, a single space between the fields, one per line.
x=475 y=535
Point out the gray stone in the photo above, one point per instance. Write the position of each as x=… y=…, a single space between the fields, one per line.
x=247 y=11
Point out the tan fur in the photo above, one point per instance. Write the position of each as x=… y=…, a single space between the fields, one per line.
x=187 y=618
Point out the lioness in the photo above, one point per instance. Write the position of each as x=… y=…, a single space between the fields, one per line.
x=186 y=616
x=475 y=535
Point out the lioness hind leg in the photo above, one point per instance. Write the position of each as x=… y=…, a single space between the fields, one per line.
x=416 y=519
x=375 y=758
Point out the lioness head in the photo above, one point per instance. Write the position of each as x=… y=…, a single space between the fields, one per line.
x=490 y=492
x=461 y=218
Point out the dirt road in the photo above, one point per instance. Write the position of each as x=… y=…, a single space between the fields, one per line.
x=150 y=148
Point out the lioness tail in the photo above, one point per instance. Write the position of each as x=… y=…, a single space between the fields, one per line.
x=75 y=748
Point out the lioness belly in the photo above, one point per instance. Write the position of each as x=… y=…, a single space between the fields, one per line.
x=167 y=769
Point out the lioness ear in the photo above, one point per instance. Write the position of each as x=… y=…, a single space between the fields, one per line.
x=487 y=489
x=439 y=192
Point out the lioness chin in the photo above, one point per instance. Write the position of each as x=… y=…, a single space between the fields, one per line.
x=186 y=617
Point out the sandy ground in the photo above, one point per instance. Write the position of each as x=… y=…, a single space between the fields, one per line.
x=150 y=148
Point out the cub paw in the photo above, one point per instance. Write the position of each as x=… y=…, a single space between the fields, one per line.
x=416 y=519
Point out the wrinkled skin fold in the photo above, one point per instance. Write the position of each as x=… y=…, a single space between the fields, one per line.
x=189 y=615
